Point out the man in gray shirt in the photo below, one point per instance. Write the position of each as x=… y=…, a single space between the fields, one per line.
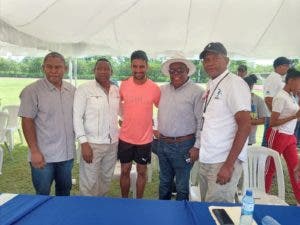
x=259 y=109
x=179 y=124
x=47 y=121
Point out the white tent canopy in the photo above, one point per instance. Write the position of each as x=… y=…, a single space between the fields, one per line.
x=252 y=29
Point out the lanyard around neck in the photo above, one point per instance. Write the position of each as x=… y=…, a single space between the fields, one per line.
x=208 y=101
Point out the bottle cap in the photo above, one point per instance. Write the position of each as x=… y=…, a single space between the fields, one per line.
x=249 y=192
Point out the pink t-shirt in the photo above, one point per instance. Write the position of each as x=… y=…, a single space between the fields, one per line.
x=137 y=110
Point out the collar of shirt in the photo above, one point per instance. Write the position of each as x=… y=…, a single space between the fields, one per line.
x=182 y=86
x=213 y=82
x=51 y=87
x=102 y=88
x=282 y=78
x=290 y=95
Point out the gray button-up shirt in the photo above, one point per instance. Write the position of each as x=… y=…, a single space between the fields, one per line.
x=52 y=112
x=180 y=110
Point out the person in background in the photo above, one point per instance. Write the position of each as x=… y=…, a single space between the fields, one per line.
x=179 y=121
x=273 y=84
x=280 y=135
x=138 y=95
x=242 y=71
x=47 y=121
x=96 y=109
x=226 y=125
x=259 y=109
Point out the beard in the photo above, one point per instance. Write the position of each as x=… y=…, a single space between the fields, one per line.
x=139 y=76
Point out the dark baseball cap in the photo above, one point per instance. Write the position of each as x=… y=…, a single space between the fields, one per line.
x=215 y=47
x=281 y=61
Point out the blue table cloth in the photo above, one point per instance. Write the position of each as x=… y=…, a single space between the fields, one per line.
x=20 y=206
x=76 y=210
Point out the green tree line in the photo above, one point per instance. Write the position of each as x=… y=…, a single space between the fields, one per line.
x=31 y=67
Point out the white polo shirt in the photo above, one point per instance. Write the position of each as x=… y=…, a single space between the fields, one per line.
x=219 y=128
x=285 y=104
x=273 y=84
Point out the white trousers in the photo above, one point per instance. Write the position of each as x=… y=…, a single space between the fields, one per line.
x=95 y=177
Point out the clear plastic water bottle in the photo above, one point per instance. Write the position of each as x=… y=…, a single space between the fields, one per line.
x=247 y=209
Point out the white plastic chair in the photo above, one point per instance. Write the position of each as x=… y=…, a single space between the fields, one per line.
x=254 y=175
x=3 y=124
x=133 y=177
x=153 y=166
x=194 y=189
x=13 y=124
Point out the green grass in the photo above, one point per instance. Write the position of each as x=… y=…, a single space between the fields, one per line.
x=10 y=89
x=16 y=178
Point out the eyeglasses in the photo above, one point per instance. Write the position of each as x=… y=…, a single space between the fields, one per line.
x=177 y=71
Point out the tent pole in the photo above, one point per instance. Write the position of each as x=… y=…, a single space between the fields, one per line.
x=75 y=70
x=70 y=73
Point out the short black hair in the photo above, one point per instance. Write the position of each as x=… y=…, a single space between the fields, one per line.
x=103 y=60
x=54 y=54
x=281 y=61
x=251 y=79
x=292 y=73
x=242 y=67
x=139 y=54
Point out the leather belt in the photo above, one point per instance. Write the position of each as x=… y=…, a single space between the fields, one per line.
x=176 y=139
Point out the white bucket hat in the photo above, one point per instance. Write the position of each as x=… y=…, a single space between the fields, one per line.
x=166 y=65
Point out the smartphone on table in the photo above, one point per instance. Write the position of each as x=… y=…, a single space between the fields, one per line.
x=222 y=217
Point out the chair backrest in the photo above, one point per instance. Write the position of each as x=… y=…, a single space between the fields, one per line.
x=3 y=125
x=255 y=169
x=13 y=119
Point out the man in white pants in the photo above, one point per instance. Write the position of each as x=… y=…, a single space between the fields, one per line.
x=96 y=109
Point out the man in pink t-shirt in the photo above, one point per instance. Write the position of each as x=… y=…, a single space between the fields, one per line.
x=138 y=95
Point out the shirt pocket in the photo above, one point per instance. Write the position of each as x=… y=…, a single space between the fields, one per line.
x=93 y=103
x=47 y=105
x=94 y=108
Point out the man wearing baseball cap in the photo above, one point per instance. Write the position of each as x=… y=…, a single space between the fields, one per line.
x=273 y=84
x=226 y=126
x=179 y=120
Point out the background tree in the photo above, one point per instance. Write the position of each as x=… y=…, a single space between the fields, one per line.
x=31 y=67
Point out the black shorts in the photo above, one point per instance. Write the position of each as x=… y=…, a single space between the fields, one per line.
x=127 y=153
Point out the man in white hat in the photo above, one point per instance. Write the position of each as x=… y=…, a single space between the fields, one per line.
x=179 y=123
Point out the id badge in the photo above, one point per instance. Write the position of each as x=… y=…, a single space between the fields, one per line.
x=201 y=123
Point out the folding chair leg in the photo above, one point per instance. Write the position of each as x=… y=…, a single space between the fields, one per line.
x=8 y=149
x=21 y=136
x=149 y=173
x=133 y=178
x=1 y=159
x=10 y=139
